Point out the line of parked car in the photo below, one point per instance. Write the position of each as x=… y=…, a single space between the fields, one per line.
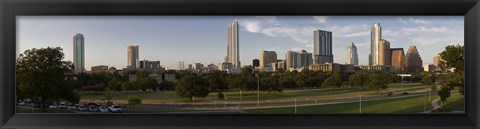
x=89 y=107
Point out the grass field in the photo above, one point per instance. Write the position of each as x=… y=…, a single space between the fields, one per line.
x=303 y=94
x=398 y=105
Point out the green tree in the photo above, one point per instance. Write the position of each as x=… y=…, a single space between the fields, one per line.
x=108 y=95
x=40 y=75
x=134 y=101
x=127 y=86
x=147 y=83
x=444 y=93
x=191 y=86
x=358 y=79
x=453 y=57
x=335 y=80
x=428 y=79
x=377 y=82
x=115 y=83
x=167 y=85
x=220 y=96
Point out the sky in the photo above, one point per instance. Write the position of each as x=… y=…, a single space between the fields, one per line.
x=202 y=39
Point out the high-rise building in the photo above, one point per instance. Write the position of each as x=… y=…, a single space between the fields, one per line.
x=281 y=65
x=429 y=67
x=322 y=47
x=198 y=66
x=79 y=53
x=149 y=64
x=351 y=57
x=255 y=63
x=436 y=60
x=233 y=55
x=398 y=59
x=190 y=67
x=376 y=36
x=133 y=57
x=181 y=65
x=300 y=59
x=384 y=57
x=413 y=60
x=267 y=57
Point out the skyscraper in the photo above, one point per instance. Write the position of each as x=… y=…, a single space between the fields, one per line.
x=384 y=57
x=79 y=53
x=181 y=65
x=133 y=57
x=398 y=59
x=436 y=60
x=233 y=55
x=413 y=60
x=298 y=59
x=322 y=47
x=376 y=36
x=267 y=57
x=351 y=57
x=255 y=63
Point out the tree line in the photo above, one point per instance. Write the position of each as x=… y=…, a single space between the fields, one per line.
x=40 y=75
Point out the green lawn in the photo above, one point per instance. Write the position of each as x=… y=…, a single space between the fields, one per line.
x=303 y=94
x=398 y=105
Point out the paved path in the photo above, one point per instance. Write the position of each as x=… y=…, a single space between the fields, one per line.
x=434 y=105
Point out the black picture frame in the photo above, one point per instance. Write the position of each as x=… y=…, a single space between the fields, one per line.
x=9 y=9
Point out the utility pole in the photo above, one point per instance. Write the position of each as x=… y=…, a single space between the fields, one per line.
x=258 y=90
x=295 y=106
x=360 y=106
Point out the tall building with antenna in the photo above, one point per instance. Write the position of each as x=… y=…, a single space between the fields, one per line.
x=233 y=55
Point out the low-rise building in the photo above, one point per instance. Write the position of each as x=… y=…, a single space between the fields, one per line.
x=169 y=77
x=99 y=69
x=132 y=78
x=157 y=77
x=429 y=67
x=377 y=68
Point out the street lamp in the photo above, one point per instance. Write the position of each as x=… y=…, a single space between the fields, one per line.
x=258 y=90
x=360 y=106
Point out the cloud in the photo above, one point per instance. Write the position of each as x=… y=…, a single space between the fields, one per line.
x=357 y=34
x=402 y=21
x=277 y=49
x=301 y=35
x=251 y=25
x=321 y=19
x=418 y=21
x=425 y=29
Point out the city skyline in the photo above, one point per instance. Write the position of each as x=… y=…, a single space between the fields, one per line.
x=258 y=33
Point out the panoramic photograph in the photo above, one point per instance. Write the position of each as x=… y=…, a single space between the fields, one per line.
x=240 y=64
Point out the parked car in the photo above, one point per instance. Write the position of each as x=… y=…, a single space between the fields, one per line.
x=52 y=106
x=405 y=93
x=62 y=106
x=77 y=106
x=103 y=109
x=93 y=108
x=71 y=107
x=115 y=108
x=22 y=103
x=35 y=105
x=90 y=104
x=390 y=93
x=82 y=108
